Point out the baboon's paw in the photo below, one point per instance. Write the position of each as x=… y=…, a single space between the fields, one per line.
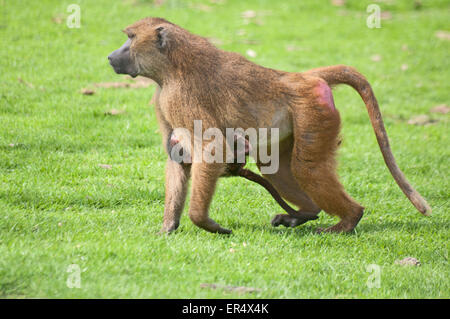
x=276 y=221
x=163 y=232
x=337 y=229
x=285 y=220
x=166 y=230
x=346 y=225
x=224 y=231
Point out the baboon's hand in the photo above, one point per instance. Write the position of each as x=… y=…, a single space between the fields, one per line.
x=290 y=221
x=167 y=230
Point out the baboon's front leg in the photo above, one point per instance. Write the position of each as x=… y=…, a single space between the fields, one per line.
x=204 y=179
x=177 y=176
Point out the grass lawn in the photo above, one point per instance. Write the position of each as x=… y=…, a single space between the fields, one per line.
x=59 y=206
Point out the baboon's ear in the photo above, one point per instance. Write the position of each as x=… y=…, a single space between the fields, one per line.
x=161 y=33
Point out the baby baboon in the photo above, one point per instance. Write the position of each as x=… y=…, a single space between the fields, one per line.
x=197 y=81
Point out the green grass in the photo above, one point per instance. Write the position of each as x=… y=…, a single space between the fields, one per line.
x=58 y=207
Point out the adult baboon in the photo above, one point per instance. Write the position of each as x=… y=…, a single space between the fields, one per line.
x=197 y=81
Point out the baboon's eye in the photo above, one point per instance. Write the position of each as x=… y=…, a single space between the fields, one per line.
x=131 y=35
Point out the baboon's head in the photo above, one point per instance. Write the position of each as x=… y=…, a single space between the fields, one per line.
x=155 y=47
x=144 y=51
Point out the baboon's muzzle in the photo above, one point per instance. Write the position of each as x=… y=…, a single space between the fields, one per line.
x=121 y=61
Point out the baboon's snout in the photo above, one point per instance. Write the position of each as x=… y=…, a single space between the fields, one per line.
x=121 y=62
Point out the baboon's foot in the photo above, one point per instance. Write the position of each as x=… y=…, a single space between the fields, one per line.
x=209 y=225
x=344 y=226
x=222 y=230
x=168 y=228
x=216 y=229
x=290 y=221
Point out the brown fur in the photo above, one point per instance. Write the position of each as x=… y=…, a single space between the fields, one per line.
x=223 y=89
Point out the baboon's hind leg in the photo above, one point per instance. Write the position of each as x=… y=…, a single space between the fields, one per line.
x=316 y=130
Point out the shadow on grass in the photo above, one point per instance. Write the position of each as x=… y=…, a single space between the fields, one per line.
x=302 y=230
x=362 y=228
x=407 y=226
x=73 y=147
x=28 y=199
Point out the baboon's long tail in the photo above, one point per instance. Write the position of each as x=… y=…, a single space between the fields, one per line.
x=341 y=74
